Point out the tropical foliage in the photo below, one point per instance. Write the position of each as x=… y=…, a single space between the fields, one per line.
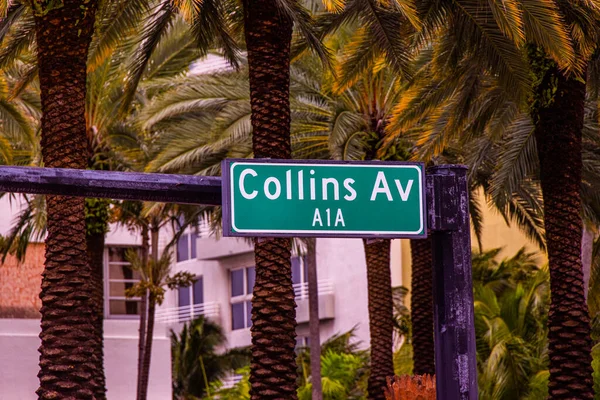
x=344 y=371
x=512 y=298
x=511 y=306
x=197 y=363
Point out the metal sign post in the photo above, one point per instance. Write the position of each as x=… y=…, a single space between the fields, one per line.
x=454 y=316
x=369 y=191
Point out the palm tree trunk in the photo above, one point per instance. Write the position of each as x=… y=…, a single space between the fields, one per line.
x=95 y=247
x=313 y=320
x=148 y=350
x=143 y=313
x=145 y=376
x=273 y=373
x=558 y=133
x=69 y=366
x=421 y=308
x=381 y=314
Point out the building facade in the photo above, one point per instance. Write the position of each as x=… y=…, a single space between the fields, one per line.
x=20 y=324
x=225 y=272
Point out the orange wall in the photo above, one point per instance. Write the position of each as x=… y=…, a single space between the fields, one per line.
x=20 y=284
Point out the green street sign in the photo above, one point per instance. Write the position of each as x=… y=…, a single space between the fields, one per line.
x=323 y=198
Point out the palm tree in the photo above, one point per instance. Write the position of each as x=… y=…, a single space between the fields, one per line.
x=196 y=363
x=155 y=277
x=558 y=125
x=109 y=66
x=325 y=125
x=381 y=325
x=268 y=33
x=313 y=318
x=68 y=362
x=268 y=40
x=155 y=272
x=421 y=310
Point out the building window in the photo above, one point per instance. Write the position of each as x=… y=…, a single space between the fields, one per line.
x=190 y=297
x=186 y=247
x=299 y=270
x=242 y=283
x=302 y=342
x=120 y=277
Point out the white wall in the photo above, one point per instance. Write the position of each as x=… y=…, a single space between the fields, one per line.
x=342 y=261
x=9 y=209
x=122 y=236
x=19 y=343
x=120 y=360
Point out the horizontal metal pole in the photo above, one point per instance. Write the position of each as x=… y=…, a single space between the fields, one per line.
x=185 y=189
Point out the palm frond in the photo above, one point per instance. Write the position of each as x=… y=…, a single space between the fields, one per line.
x=475 y=29
x=508 y=16
x=212 y=27
x=116 y=22
x=346 y=129
x=9 y=16
x=155 y=28
x=334 y=6
x=21 y=37
x=517 y=160
x=303 y=22
x=358 y=58
x=174 y=53
x=476 y=215
x=544 y=26
x=389 y=33
x=15 y=126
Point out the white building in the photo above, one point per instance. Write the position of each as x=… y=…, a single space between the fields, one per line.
x=225 y=272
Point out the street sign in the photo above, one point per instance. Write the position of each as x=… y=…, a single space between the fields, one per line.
x=323 y=198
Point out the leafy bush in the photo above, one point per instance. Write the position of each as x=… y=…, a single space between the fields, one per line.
x=196 y=367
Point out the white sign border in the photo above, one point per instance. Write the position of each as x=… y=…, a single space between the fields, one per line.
x=419 y=232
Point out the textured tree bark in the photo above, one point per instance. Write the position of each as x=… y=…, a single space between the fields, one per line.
x=421 y=310
x=143 y=313
x=273 y=372
x=313 y=319
x=381 y=314
x=69 y=365
x=95 y=247
x=558 y=132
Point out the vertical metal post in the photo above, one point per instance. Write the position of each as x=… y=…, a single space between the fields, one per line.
x=454 y=327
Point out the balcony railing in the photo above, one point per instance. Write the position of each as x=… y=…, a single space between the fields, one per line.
x=231 y=381
x=187 y=313
x=301 y=289
x=212 y=310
